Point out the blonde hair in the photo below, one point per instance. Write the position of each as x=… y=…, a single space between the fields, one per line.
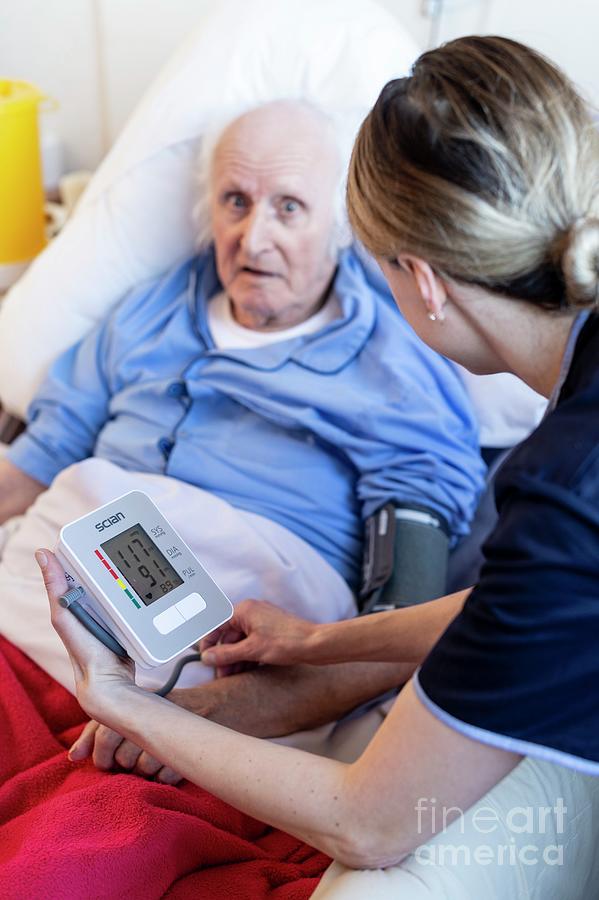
x=485 y=162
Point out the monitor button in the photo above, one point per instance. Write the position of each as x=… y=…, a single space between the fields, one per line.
x=168 y=620
x=191 y=605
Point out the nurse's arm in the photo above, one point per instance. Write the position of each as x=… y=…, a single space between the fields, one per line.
x=260 y=632
x=367 y=815
x=265 y=702
x=370 y=813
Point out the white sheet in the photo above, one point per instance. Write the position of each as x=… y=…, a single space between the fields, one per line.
x=504 y=848
x=246 y=554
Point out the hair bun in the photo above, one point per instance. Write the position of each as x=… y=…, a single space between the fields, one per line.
x=580 y=262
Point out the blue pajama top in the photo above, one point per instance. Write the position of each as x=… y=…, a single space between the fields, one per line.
x=314 y=432
x=518 y=668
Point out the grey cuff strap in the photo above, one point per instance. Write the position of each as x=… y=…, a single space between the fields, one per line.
x=420 y=555
x=418 y=567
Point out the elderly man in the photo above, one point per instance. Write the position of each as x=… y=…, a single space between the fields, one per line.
x=251 y=374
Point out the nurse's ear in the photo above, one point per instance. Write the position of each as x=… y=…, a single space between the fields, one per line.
x=431 y=286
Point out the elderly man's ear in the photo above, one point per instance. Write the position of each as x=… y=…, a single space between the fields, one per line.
x=431 y=286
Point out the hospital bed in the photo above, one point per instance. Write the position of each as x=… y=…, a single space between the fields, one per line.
x=134 y=221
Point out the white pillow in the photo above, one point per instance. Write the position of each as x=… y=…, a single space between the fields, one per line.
x=134 y=220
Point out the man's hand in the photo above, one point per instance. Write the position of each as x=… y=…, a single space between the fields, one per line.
x=17 y=490
x=109 y=750
x=258 y=632
x=267 y=702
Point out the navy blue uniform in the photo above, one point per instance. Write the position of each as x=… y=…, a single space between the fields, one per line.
x=518 y=668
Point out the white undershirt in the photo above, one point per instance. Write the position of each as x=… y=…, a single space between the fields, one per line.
x=230 y=335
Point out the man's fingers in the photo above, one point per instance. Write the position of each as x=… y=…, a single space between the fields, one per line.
x=150 y=767
x=168 y=776
x=127 y=754
x=105 y=747
x=109 y=748
x=147 y=765
x=84 y=745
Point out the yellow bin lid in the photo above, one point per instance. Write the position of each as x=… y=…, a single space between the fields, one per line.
x=18 y=96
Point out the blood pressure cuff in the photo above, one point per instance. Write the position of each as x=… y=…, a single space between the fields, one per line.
x=405 y=560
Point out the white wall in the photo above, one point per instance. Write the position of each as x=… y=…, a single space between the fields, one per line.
x=96 y=56
x=52 y=44
x=566 y=32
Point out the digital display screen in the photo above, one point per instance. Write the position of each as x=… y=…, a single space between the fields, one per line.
x=147 y=570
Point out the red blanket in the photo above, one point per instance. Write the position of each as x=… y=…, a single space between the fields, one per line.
x=68 y=831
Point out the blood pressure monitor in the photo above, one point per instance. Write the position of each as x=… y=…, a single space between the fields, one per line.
x=139 y=580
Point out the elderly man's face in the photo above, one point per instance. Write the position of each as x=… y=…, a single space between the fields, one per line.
x=274 y=177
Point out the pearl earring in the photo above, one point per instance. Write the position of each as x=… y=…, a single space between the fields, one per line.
x=437 y=317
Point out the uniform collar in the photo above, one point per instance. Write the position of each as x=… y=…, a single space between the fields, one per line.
x=326 y=351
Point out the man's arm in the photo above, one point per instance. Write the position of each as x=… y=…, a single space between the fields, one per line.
x=265 y=702
x=271 y=701
x=17 y=490
x=68 y=411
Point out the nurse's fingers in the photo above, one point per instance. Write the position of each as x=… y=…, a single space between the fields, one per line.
x=69 y=630
x=226 y=634
x=85 y=651
x=231 y=637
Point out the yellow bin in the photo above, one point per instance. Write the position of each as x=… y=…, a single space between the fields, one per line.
x=21 y=189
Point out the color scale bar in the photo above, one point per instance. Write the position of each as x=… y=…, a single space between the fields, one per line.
x=117 y=578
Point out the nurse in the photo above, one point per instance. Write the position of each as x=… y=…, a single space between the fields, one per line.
x=476 y=184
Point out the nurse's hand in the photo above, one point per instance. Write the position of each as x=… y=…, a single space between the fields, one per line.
x=258 y=632
x=100 y=676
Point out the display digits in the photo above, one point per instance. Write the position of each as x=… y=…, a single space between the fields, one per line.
x=144 y=566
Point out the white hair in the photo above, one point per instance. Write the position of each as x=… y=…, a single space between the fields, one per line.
x=343 y=134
